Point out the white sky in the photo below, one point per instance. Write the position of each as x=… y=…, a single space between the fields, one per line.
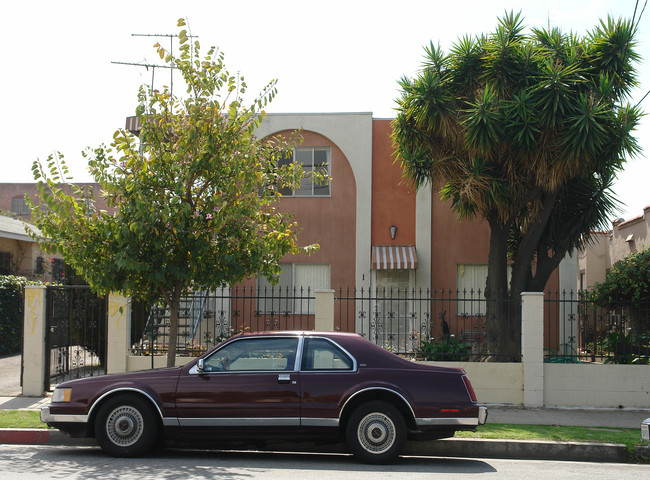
x=61 y=91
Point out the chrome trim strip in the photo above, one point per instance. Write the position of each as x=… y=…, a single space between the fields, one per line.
x=48 y=417
x=466 y=421
x=377 y=388
x=240 y=422
x=125 y=389
x=170 y=422
x=319 y=422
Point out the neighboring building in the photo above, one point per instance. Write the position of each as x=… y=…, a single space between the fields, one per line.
x=21 y=255
x=624 y=238
x=12 y=198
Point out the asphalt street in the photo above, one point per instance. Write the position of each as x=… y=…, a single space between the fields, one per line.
x=45 y=462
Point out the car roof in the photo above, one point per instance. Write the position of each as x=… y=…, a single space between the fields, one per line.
x=299 y=333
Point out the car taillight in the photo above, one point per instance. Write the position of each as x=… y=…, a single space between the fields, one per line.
x=470 y=389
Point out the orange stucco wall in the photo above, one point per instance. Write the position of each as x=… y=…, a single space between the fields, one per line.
x=393 y=200
x=328 y=221
x=455 y=241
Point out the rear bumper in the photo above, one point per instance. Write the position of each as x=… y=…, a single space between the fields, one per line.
x=482 y=415
x=480 y=419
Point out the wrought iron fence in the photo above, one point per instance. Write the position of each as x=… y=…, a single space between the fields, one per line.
x=428 y=324
x=579 y=331
x=76 y=326
x=208 y=317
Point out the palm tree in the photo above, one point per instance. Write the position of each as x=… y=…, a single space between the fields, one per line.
x=527 y=131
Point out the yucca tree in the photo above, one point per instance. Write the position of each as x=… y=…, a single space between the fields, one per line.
x=526 y=131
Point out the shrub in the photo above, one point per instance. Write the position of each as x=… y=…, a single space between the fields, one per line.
x=11 y=312
x=627 y=287
x=447 y=348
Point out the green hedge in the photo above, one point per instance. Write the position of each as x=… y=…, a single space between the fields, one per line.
x=11 y=312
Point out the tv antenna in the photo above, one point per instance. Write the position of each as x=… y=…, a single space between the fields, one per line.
x=153 y=66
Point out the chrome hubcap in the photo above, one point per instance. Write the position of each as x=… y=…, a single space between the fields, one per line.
x=124 y=426
x=376 y=433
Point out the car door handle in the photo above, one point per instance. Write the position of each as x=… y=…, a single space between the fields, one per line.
x=284 y=378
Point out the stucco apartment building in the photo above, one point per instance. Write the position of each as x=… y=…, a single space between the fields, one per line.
x=373 y=228
x=625 y=237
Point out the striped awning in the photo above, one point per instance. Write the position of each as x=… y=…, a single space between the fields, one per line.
x=394 y=257
x=133 y=125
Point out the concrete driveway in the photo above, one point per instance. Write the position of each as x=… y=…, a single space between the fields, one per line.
x=10 y=376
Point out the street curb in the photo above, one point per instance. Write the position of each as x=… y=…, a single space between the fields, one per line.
x=41 y=436
x=452 y=447
x=521 y=450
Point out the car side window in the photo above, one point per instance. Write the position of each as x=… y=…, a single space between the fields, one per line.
x=254 y=354
x=320 y=354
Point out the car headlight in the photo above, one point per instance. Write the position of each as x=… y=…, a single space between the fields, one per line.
x=61 y=395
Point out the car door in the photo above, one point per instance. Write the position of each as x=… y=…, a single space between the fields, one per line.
x=327 y=371
x=250 y=381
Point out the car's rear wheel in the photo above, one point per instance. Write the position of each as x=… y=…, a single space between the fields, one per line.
x=376 y=432
x=126 y=426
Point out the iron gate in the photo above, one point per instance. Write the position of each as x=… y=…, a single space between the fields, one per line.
x=75 y=334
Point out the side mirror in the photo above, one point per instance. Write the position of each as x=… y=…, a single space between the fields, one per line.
x=200 y=365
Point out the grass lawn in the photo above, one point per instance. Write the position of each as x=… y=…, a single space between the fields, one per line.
x=20 y=419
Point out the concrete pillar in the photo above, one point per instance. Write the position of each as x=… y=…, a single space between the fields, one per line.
x=119 y=333
x=34 y=324
x=324 y=310
x=423 y=236
x=532 y=347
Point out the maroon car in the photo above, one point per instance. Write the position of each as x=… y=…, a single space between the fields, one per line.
x=320 y=386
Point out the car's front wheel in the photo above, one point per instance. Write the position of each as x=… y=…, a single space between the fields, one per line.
x=376 y=432
x=126 y=426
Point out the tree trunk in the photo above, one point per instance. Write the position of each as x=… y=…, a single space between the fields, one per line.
x=496 y=289
x=174 y=307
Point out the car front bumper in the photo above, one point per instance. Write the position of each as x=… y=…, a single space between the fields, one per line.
x=48 y=417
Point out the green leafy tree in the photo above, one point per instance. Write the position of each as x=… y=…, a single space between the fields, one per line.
x=193 y=195
x=627 y=286
x=526 y=131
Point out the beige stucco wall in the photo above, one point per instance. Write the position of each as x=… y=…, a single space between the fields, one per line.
x=495 y=383
x=602 y=386
x=626 y=237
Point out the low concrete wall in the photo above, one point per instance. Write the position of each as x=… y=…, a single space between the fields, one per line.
x=501 y=383
x=134 y=364
x=599 y=386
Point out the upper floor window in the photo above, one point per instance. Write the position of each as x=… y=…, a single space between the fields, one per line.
x=314 y=161
x=19 y=207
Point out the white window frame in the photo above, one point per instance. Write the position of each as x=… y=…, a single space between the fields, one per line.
x=290 y=277
x=308 y=188
x=471 y=293
x=19 y=206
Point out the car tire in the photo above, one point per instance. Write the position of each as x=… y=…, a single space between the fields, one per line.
x=376 y=432
x=126 y=426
